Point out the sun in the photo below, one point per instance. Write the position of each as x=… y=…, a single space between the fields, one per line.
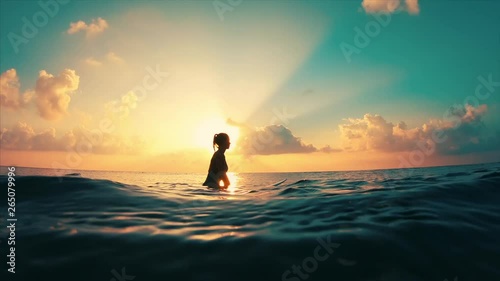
x=207 y=128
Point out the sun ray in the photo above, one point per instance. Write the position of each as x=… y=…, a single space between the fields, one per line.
x=203 y=135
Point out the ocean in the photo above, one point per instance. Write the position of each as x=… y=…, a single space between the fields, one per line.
x=432 y=224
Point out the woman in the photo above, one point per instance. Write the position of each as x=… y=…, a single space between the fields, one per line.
x=218 y=166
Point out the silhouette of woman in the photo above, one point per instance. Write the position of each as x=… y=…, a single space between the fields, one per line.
x=218 y=166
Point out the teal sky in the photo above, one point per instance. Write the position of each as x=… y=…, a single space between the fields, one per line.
x=280 y=53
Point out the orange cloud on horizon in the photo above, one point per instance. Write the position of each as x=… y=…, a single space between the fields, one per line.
x=460 y=132
x=22 y=137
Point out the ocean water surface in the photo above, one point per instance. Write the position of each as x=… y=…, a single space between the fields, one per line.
x=427 y=224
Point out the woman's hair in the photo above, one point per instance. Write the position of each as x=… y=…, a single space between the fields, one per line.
x=219 y=139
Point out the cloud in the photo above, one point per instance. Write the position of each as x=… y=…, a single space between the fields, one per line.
x=19 y=137
x=390 y=6
x=10 y=96
x=412 y=6
x=92 y=62
x=22 y=137
x=52 y=93
x=328 y=149
x=110 y=57
x=272 y=139
x=95 y=27
x=461 y=131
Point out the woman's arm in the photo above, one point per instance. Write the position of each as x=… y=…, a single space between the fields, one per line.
x=217 y=177
x=225 y=179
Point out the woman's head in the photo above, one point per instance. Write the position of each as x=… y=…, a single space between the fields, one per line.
x=221 y=140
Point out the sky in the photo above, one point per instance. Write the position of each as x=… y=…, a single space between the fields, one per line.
x=298 y=85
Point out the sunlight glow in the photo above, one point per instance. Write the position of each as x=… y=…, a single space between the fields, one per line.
x=233 y=179
x=205 y=132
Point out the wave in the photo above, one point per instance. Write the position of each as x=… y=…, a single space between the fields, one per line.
x=386 y=226
x=491 y=175
x=31 y=187
x=74 y=184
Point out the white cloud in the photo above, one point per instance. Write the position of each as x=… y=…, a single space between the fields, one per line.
x=95 y=27
x=52 y=94
x=390 y=6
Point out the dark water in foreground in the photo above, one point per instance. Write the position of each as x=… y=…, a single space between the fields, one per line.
x=431 y=224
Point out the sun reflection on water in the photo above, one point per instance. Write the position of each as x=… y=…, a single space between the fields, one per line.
x=234 y=180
